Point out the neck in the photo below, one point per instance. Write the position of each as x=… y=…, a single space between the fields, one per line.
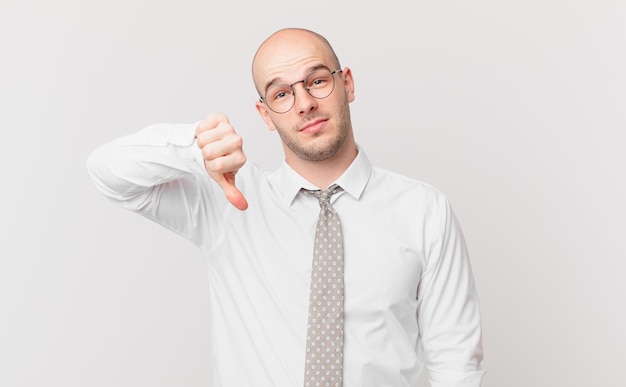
x=323 y=173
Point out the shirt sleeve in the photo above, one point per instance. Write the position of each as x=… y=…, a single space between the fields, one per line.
x=159 y=173
x=448 y=309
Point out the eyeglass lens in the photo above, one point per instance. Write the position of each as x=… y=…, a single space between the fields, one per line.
x=281 y=98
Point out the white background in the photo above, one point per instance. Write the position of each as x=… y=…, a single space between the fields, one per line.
x=515 y=109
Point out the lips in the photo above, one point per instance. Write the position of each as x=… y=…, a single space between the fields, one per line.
x=313 y=126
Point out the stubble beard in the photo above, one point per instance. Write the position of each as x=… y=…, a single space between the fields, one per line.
x=318 y=151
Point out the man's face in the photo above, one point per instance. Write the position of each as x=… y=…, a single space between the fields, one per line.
x=314 y=129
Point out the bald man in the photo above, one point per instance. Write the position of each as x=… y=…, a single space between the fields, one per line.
x=398 y=279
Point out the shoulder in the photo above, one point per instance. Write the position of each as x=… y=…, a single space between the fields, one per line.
x=410 y=201
x=398 y=185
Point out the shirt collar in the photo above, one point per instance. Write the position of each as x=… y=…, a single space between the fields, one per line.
x=288 y=182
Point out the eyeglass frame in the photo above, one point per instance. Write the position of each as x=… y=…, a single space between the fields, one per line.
x=293 y=91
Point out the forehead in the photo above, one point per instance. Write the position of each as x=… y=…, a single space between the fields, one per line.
x=288 y=57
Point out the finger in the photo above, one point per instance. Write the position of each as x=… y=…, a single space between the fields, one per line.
x=218 y=133
x=211 y=122
x=227 y=183
x=230 y=148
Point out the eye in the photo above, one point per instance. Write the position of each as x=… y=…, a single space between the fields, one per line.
x=278 y=93
x=318 y=80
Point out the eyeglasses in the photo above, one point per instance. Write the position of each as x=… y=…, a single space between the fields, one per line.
x=319 y=84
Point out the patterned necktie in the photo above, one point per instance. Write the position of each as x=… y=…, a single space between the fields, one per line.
x=324 y=347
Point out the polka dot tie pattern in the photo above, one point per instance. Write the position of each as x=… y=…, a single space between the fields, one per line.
x=324 y=348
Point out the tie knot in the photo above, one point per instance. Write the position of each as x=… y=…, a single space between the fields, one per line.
x=325 y=195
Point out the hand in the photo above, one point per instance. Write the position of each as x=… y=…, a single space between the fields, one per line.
x=223 y=155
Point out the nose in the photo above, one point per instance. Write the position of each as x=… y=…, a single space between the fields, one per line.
x=304 y=103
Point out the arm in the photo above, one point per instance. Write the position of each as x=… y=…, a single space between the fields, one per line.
x=160 y=173
x=448 y=310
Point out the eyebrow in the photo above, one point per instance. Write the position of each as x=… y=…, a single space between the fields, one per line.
x=279 y=80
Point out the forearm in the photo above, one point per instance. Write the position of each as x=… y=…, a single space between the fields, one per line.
x=126 y=170
x=449 y=314
x=158 y=172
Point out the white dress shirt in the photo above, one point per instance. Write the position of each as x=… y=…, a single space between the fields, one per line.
x=410 y=298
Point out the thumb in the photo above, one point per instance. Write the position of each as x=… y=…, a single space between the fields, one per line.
x=227 y=182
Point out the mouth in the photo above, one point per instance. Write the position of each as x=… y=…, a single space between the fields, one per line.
x=313 y=126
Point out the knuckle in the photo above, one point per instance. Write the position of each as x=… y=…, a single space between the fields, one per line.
x=200 y=141
x=211 y=121
x=216 y=118
x=226 y=128
x=211 y=116
x=217 y=165
x=207 y=153
x=238 y=141
x=242 y=159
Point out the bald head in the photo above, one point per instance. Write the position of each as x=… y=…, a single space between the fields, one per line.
x=286 y=48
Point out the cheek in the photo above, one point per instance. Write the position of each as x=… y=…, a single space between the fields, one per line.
x=270 y=124
x=277 y=123
x=268 y=120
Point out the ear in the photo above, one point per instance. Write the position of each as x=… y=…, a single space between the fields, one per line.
x=265 y=115
x=348 y=83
